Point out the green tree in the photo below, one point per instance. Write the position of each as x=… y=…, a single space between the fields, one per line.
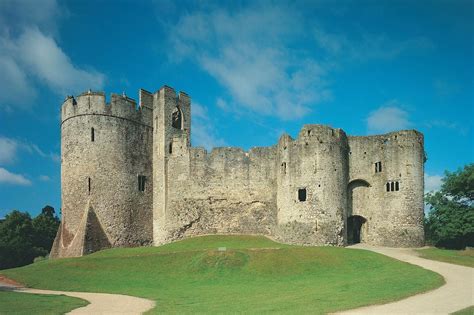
x=22 y=238
x=16 y=240
x=45 y=226
x=450 y=222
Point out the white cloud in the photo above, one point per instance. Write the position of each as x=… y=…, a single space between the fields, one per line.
x=203 y=129
x=7 y=177
x=15 y=89
x=432 y=182
x=44 y=178
x=29 y=55
x=8 y=150
x=45 y=60
x=248 y=52
x=389 y=117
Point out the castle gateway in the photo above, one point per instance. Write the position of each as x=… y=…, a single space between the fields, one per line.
x=130 y=178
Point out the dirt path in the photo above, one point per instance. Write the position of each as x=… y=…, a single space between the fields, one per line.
x=100 y=303
x=456 y=294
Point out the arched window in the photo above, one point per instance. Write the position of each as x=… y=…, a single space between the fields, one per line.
x=177 y=119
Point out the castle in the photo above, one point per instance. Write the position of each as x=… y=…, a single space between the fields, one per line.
x=130 y=177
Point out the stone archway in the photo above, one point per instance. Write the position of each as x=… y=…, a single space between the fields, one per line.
x=354 y=228
x=358 y=203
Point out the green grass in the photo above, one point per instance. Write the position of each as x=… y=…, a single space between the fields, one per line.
x=27 y=303
x=254 y=275
x=458 y=257
x=465 y=311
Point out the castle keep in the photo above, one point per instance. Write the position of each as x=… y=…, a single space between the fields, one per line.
x=130 y=177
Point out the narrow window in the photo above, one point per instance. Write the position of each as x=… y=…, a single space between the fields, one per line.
x=302 y=194
x=170 y=148
x=176 y=119
x=388 y=186
x=378 y=167
x=89 y=184
x=397 y=186
x=92 y=134
x=283 y=167
x=392 y=186
x=141 y=182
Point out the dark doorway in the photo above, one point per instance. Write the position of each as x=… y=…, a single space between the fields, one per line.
x=354 y=225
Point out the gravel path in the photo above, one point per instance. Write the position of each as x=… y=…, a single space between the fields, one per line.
x=100 y=303
x=455 y=295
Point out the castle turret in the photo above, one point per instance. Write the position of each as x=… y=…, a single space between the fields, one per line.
x=106 y=174
x=312 y=182
x=172 y=123
x=385 y=205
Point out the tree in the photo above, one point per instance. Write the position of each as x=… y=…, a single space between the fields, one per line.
x=450 y=222
x=22 y=239
x=16 y=240
x=45 y=226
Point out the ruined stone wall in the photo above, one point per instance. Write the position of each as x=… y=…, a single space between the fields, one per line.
x=226 y=191
x=394 y=217
x=102 y=174
x=317 y=163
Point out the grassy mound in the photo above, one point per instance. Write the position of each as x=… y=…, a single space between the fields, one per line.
x=26 y=303
x=252 y=275
x=458 y=257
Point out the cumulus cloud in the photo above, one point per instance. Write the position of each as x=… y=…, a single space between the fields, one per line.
x=30 y=55
x=389 y=117
x=8 y=150
x=432 y=182
x=7 y=177
x=203 y=129
x=248 y=51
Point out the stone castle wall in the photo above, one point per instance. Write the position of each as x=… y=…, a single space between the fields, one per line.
x=321 y=188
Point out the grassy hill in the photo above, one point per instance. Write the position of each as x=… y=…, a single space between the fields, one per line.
x=253 y=275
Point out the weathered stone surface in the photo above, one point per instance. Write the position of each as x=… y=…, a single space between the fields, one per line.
x=188 y=191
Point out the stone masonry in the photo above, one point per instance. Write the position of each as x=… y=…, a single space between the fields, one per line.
x=130 y=177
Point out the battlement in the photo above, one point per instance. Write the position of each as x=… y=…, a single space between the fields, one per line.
x=181 y=98
x=399 y=138
x=321 y=133
x=120 y=106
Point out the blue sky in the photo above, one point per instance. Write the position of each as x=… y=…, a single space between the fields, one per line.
x=253 y=69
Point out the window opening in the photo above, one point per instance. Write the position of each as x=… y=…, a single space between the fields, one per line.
x=392 y=186
x=141 y=182
x=170 y=148
x=388 y=186
x=176 y=119
x=92 y=134
x=302 y=194
x=397 y=186
x=89 y=184
x=283 y=167
x=378 y=167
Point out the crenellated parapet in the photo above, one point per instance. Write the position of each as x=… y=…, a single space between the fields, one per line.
x=120 y=106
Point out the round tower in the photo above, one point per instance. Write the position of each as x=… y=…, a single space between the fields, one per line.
x=312 y=182
x=106 y=174
x=403 y=207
